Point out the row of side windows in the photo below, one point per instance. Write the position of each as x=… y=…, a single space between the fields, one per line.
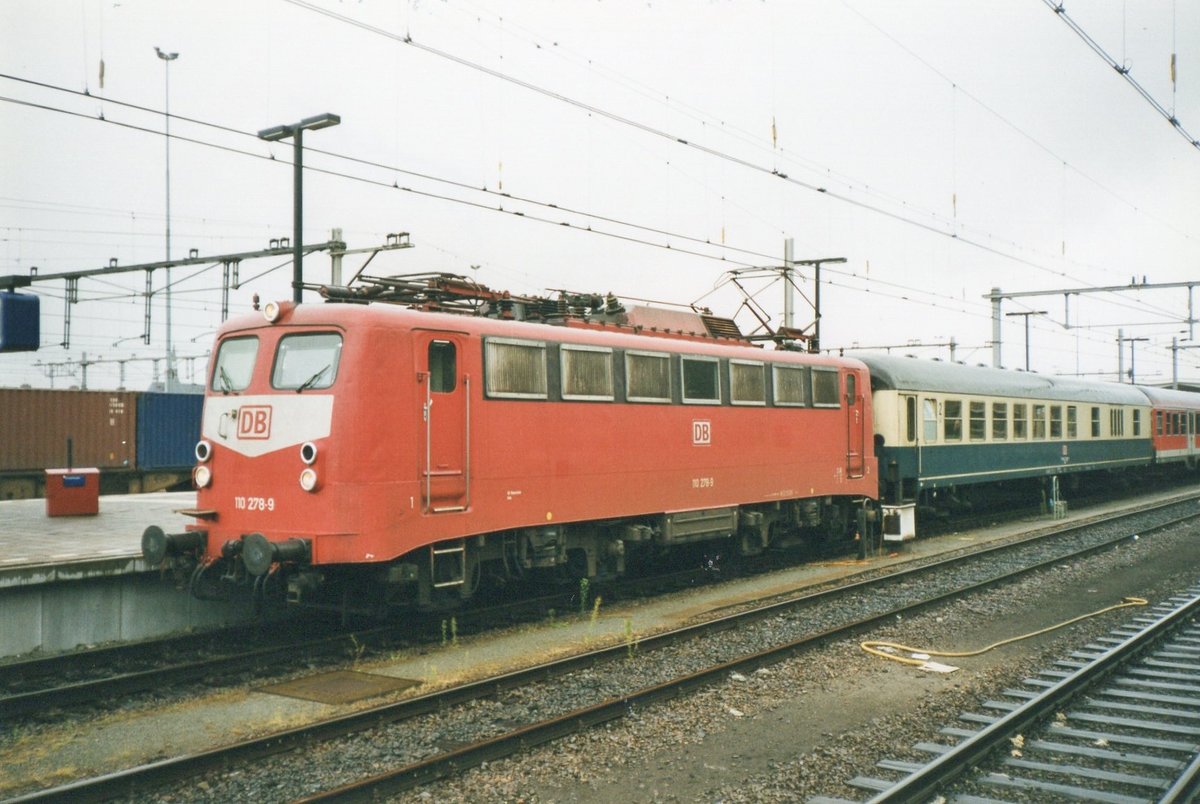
x=1028 y=421
x=521 y=369
x=1175 y=423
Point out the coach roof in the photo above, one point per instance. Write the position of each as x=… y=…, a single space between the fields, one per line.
x=911 y=374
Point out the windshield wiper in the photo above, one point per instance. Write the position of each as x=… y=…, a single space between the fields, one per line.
x=311 y=381
x=226 y=382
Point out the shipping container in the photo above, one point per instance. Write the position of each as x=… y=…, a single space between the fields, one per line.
x=36 y=424
x=168 y=426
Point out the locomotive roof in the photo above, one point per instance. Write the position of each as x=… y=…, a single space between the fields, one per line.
x=910 y=374
x=1171 y=398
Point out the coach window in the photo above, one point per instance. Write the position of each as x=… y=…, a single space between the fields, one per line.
x=1056 y=421
x=929 y=420
x=1072 y=422
x=910 y=419
x=235 y=364
x=952 y=424
x=747 y=383
x=1137 y=422
x=305 y=361
x=587 y=372
x=788 y=385
x=825 y=388
x=1039 y=421
x=999 y=421
x=443 y=367
x=978 y=412
x=515 y=369
x=1116 y=422
x=1158 y=422
x=1095 y=422
x=1020 y=422
x=701 y=383
x=647 y=377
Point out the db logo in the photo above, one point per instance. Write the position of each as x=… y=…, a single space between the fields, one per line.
x=254 y=422
x=701 y=433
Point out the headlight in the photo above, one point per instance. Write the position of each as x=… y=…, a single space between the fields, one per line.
x=308 y=452
x=202 y=476
x=203 y=451
x=271 y=311
x=308 y=479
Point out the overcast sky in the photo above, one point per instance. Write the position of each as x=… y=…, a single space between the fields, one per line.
x=941 y=148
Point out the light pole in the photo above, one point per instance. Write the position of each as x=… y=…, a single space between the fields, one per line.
x=296 y=132
x=167 y=58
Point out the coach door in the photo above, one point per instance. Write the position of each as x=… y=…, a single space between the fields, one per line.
x=856 y=423
x=444 y=423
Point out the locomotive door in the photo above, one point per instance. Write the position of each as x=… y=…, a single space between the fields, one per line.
x=856 y=423
x=443 y=424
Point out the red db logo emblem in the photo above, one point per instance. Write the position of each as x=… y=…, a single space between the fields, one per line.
x=701 y=433
x=254 y=422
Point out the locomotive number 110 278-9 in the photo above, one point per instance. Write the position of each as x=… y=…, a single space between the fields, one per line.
x=254 y=503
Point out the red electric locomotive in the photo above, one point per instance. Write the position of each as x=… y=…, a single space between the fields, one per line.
x=405 y=456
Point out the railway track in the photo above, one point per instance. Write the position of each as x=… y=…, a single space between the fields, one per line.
x=793 y=625
x=1116 y=722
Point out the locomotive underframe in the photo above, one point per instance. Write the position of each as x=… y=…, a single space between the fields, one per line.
x=450 y=572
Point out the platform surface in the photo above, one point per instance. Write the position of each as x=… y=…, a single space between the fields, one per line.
x=29 y=538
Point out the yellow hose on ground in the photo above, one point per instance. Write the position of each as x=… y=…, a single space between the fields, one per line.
x=873 y=646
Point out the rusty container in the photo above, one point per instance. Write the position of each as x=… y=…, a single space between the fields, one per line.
x=36 y=425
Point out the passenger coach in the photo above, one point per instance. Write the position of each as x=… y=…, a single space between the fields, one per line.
x=1176 y=424
x=943 y=430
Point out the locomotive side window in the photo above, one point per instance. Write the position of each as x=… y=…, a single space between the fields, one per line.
x=587 y=372
x=952 y=426
x=647 y=377
x=825 y=388
x=978 y=411
x=929 y=420
x=747 y=383
x=1056 y=421
x=788 y=385
x=1020 y=423
x=1072 y=423
x=234 y=364
x=443 y=367
x=701 y=380
x=999 y=421
x=515 y=369
x=1095 y=422
x=305 y=361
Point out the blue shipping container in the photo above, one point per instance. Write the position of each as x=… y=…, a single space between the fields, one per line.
x=168 y=427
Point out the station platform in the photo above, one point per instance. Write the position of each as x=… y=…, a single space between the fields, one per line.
x=76 y=581
x=111 y=540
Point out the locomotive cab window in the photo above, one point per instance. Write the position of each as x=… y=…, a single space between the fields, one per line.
x=306 y=361
x=587 y=372
x=701 y=380
x=443 y=367
x=788 y=385
x=515 y=369
x=647 y=377
x=747 y=383
x=234 y=364
x=825 y=388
